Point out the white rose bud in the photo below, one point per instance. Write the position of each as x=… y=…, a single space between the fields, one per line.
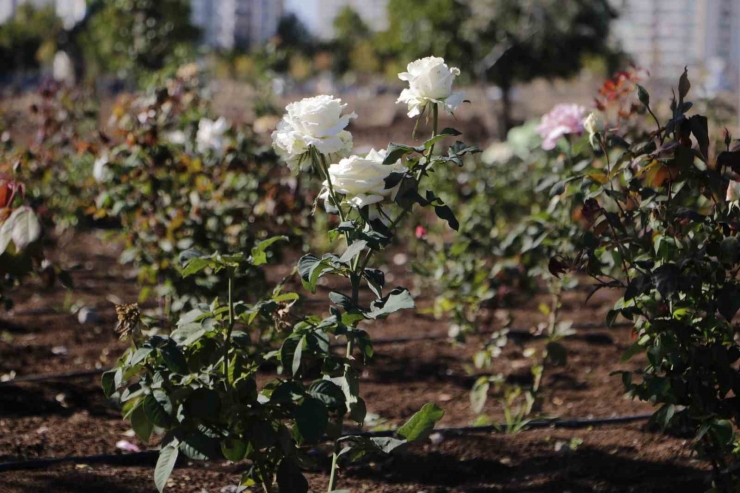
x=362 y=179
x=313 y=122
x=211 y=134
x=593 y=124
x=430 y=81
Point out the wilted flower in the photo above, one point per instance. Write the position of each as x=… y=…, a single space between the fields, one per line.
x=313 y=122
x=430 y=81
x=593 y=125
x=563 y=119
x=101 y=170
x=211 y=134
x=733 y=194
x=362 y=179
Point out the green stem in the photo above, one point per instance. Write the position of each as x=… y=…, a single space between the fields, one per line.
x=334 y=459
x=227 y=342
x=324 y=167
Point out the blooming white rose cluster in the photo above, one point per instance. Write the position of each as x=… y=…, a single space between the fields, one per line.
x=430 y=81
x=313 y=122
x=318 y=123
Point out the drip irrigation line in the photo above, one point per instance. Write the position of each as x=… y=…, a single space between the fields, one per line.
x=149 y=457
x=515 y=332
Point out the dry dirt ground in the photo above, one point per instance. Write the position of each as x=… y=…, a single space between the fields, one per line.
x=56 y=419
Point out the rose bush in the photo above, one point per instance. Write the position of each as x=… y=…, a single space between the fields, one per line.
x=199 y=384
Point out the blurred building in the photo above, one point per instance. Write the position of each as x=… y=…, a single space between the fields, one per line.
x=319 y=15
x=666 y=35
x=228 y=24
x=70 y=11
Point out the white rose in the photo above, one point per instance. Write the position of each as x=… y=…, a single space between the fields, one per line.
x=316 y=122
x=593 y=124
x=101 y=170
x=362 y=179
x=733 y=193
x=430 y=81
x=176 y=137
x=211 y=134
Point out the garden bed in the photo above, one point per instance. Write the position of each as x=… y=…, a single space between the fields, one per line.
x=71 y=417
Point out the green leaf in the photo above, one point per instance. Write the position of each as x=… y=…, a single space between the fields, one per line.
x=234 y=449
x=174 y=359
x=26 y=227
x=479 y=394
x=559 y=187
x=329 y=393
x=311 y=419
x=643 y=95
x=352 y=251
x=683 y=85
x=296 y=364
x=397 y=299
x=396 y=152
x=108 y=383
x=422 y=423
x=631 y=351
x=198 y=446
x=450 y=131
x=155 y=411
x=187 y=334
x=141 y=424
x=259 y=254
x=165 y=465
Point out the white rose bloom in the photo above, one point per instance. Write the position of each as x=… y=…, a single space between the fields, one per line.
x=362 y=179
x=733 y=194
x=176 y=137
x=101 y=170
x=430 y=81
x=211 y=134
x=316 y=122
x=593 y=124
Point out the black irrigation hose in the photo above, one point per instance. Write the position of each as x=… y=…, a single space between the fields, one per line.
x=149 y=456
x=377 y=342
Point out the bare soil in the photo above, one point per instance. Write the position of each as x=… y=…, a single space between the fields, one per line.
x=71 y=417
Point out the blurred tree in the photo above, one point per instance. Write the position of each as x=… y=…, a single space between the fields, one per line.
x=29 y=38
x=350 y=33
x=520 y=41
x=292 y=33
x=138 y=37
x=420 y=28
x=502 y=41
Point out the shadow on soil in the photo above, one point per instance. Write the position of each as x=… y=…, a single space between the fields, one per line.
x=584 y=470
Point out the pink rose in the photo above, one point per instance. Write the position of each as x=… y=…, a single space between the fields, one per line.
x=563 y=119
